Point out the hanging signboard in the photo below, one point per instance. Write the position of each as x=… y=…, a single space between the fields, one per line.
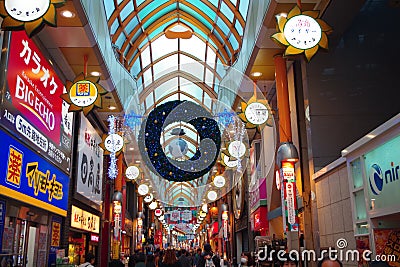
x=29 y=178
x=90 y=163
x=32 y=107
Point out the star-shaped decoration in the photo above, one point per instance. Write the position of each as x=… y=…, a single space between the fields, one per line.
x=84 y=93
x=29 y=15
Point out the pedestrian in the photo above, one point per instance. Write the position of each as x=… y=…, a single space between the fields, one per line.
x=140 y=260
x=206 y=257
x=89 y=260
x=170 y=259
x=330 y=262
x=288 y=261
x=184 y=260
x=196 y=257
x=150 y=261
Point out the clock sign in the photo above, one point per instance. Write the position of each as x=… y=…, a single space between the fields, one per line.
x=302 y=32
x=256 y=113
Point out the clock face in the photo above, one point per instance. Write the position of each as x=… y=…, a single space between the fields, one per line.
x=23 y=10
x=114 y=143
x=302 y=32
x=237 y=149
x=256 y=113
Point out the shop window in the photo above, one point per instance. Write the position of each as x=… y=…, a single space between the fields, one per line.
x=356 y=173
x=362 y=228
x=361 y=211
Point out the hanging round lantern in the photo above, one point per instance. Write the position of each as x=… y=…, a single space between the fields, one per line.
x=132 y=172
x=143 y=189
x=153 y=205
x=148 y=198
x=219 y=181
x=212 y=195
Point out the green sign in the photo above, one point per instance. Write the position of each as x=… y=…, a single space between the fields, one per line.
x=382 y=167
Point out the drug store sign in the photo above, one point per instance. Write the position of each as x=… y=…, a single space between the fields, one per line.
x=26 y=176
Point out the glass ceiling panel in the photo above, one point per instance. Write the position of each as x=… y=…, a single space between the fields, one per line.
x=192 y=66
x=227 y=11
x=191 y=88
x=109 y=8
x=194 y=46
x=166 y=88
x=126 y=11
x=162 y=46
x=114 y=27
x=147 y=77
x=165 y=66
x=146 y=57
x=131 y=25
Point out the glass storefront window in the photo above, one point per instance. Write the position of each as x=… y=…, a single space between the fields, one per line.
x=362 y=228
x=356 y=173
x=361 y=211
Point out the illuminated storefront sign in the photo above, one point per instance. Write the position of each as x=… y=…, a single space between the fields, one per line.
x=382 y=167
x=90 y=163
x=29 y=178
x=32 y=107
x=85 y=220
x=289 y=197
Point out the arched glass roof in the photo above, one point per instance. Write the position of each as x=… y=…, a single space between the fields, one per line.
x=137 y=31
x=177 y=50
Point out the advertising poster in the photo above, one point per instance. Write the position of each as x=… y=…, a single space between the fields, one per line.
x=26 y=176
x=32 y=107
x=55 y=237
x=2 y=219
x=362 y=244
x=90 y=163
x=387 y=242
x=8 y=239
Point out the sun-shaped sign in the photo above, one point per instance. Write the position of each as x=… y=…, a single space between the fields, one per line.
x=302 y=32
x=28 y=15
x=113 y=143
x=84 y=93
x=256 y=113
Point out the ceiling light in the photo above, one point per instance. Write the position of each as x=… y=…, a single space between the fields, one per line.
x=67 y=14
x=256 y=74
x=112 y=107
x=131 y=148
x=95 y=73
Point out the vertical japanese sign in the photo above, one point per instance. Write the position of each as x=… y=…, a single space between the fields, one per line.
x=289 y=196
x=29 y=178
x=2 y=218
x=32 y=107
x=90 y=163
